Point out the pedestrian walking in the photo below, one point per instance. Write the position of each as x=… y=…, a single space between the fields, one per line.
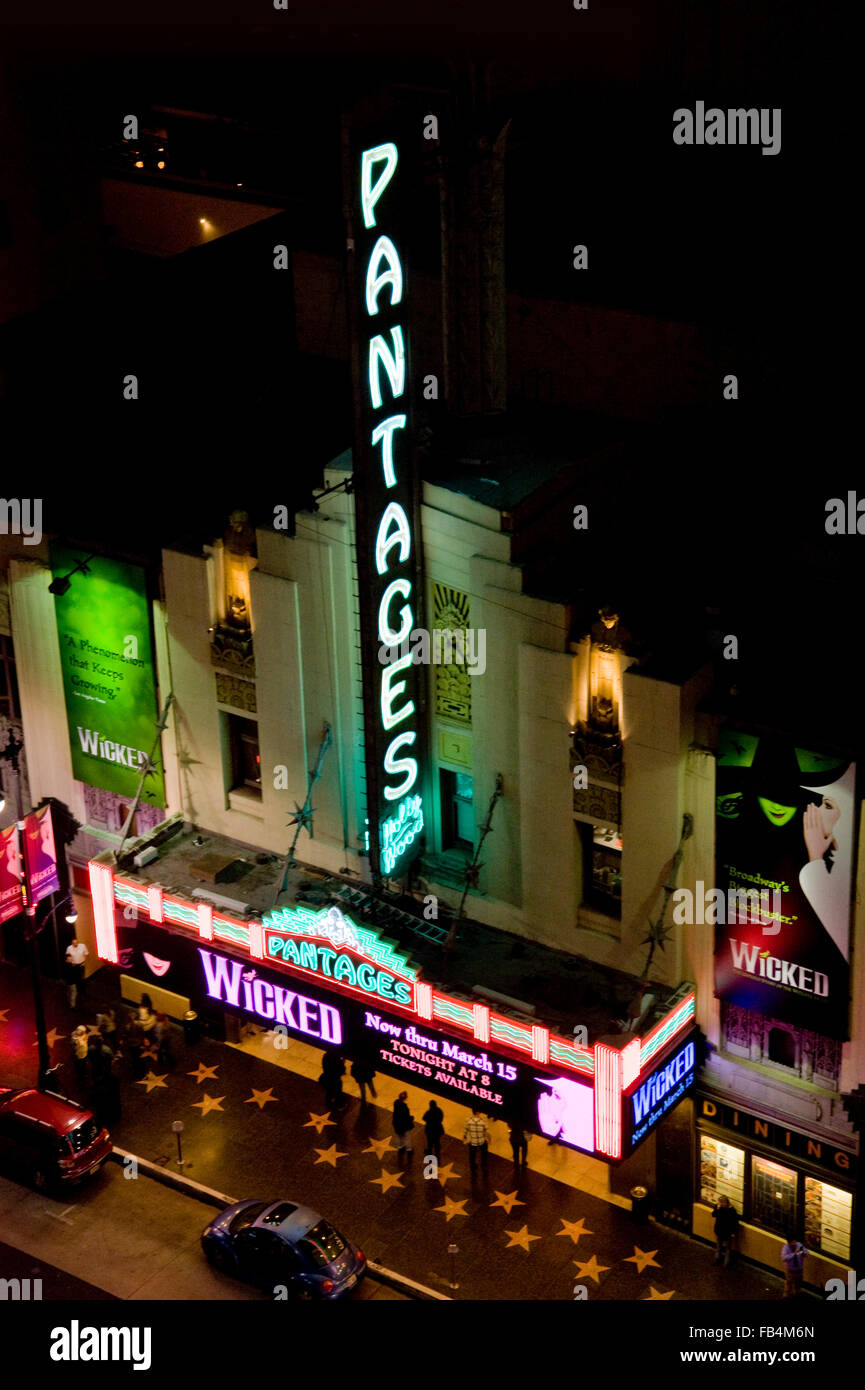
x=107 y=1024
x=434 y=1127
x=79 y=1057
x=332 y=1072
x=793 y=1254
x=726 y=1226
x=403 y=1124
x=76 y=955
x=364 y=1075
x=476 y=1137
x=146 y=1015
x=162 y=1034
x=99 y=1056
x=519 y=1145
x=133 y=1046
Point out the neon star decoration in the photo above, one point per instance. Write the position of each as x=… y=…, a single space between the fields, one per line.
x=521 y=1238
x=452 y=1208
x=208 y=1103
x=387 y=1180
x=508 y=1200
x=641 y=1259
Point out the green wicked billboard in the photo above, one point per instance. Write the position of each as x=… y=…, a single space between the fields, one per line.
x=103 y=623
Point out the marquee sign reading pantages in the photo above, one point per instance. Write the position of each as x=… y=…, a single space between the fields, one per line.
x=333 y=947
x=608 y=1071
x=386 y=506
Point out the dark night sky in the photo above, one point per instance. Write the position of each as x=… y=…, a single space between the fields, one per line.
x=754 y=250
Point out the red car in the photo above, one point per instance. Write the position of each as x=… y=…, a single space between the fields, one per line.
x=49 y=1140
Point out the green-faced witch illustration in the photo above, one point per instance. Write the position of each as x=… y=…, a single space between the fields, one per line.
x=785 y=822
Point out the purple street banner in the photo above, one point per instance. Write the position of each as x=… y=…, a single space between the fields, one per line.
x=40 y=855
x=11 y=896
x=785 y=829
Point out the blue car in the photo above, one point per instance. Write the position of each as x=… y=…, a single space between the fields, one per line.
x=282 y=1245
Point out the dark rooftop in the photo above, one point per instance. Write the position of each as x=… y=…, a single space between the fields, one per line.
x=565 y=990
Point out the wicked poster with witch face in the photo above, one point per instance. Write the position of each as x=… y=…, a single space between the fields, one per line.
x=785 y=827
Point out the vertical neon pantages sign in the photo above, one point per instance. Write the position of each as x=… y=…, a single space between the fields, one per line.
x=387 y=540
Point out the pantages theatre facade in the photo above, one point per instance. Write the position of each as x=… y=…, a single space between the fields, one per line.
x=726 y=1068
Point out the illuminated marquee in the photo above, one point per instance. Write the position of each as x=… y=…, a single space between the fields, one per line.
x=387 y=554
x=331 y=946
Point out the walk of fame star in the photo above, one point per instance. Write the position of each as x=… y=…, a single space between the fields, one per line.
x=318 y=1122
x=574 y=1229
x=590 y=1269
x=452 y=1208
x=387 y=1180
x=209 y=1103
x=52 y=1038
x=446 y=1171
x=520 y=1237
x=203 y=1073
x=641 y=1258
x=4 y=1015
x=655 y=1295
x=330 y=1155
x=508 y=1200
x=260 y=1098
x=379 y=1147
x=151 y=1081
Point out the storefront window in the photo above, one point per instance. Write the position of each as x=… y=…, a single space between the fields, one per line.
x=722 y=1172
x=773 y=1196
x=828 y=1216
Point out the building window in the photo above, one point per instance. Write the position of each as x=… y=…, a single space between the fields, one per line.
x=773 y=1196
x=10 y=705
x=602 y=869
x=458 y=817
x=245 y=757
x=782 y=1047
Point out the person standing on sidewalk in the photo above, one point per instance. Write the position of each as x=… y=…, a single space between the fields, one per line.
x=76 y=955
x=476 y=1136
x=79 y=1057
x=162 y=1034
x=403 y=1124
x=332 y=1072
x=726 y=1225
x=434 y=1127
x=519 y=1145
x=364 y=1075
x=793 y=1255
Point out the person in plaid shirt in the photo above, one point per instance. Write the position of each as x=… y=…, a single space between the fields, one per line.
x=476 y=1136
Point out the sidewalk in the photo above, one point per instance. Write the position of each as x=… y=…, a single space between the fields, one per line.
x=255 y=1125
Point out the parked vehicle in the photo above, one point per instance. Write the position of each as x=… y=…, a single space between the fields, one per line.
x=49 y=1140
x=281 y=1244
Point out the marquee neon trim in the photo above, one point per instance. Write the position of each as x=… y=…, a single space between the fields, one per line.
x=611 y=1070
